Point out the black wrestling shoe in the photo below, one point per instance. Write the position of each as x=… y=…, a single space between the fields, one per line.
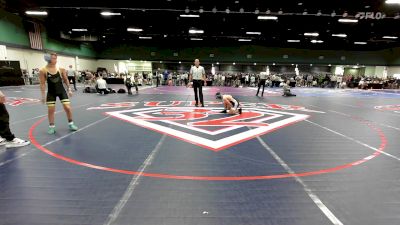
x=240 y=110
x=223 y=111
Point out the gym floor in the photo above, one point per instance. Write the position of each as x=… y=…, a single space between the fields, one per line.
x=324 y=157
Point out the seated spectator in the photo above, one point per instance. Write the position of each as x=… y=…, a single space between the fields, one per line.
x=362 y=84
x=129 y=83
x=286 y=90
x=315 y=83
x=101 y=85
x=343 y=85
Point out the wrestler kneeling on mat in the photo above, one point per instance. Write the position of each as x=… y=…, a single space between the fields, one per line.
x=231 y=105
x=55 y=77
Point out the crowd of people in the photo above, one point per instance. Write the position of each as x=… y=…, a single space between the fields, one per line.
x=157 y=78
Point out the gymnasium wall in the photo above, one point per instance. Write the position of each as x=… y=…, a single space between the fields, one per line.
x=87 y=56
x=30 y=59
x=393 y=70
x=241 y=54
x=14 y=34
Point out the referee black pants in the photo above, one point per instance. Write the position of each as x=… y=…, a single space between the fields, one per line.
x=5 y=131
x=261 y=83
x=198 y=84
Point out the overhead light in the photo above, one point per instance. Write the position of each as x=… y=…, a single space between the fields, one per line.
x=390 y=37
x=201 y=10
x=134 y=29
x=36 y=13
x=227 y=10
x=347 y=20
x=339 y=35
x=241 y=10
x=104 y=36
x=333 y=14
x=300 y=3
x=256 y=33
x=330 y=65
x=273 y=64
x=180 y=62
x=214 y=10
x=234 y=63
x=293 y=41
x=392 y=2
x=360 y=43
x=319 y=13
x=317 y=41
x=267 y=17
x=191 y=31
x=110 y=14
x=80 y=30
x=244 y=39
x=196 y=39
x=311 y=34
x=255 y=64
x=217 y=63
x=145 y=37
x=356 y=67
x=257 y=11
x=190 y=15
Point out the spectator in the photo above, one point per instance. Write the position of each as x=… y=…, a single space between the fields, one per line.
x=101 y=85
x=6 y=137
x=333 y=82
x=339 y=80
x=72 y=76
x=286 y=90
x=309 y=80
x=129 y=83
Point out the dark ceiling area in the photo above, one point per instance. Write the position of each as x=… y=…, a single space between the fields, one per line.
x=163 y=22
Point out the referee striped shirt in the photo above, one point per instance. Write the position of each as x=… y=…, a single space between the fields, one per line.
x=197 y=72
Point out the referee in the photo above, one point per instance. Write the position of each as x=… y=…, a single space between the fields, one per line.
x=263 y=78
x=198 y=77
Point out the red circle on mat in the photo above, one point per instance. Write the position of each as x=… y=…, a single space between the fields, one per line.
x=215 y=178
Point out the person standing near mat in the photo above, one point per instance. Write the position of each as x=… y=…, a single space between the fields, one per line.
x=55 y=77
x=72 y=76
x=197 y=75
x=263 y=78
x=6 y=137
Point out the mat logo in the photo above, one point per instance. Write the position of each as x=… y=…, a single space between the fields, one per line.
x=393 y=108
x=16 y=101
x=207 y=127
